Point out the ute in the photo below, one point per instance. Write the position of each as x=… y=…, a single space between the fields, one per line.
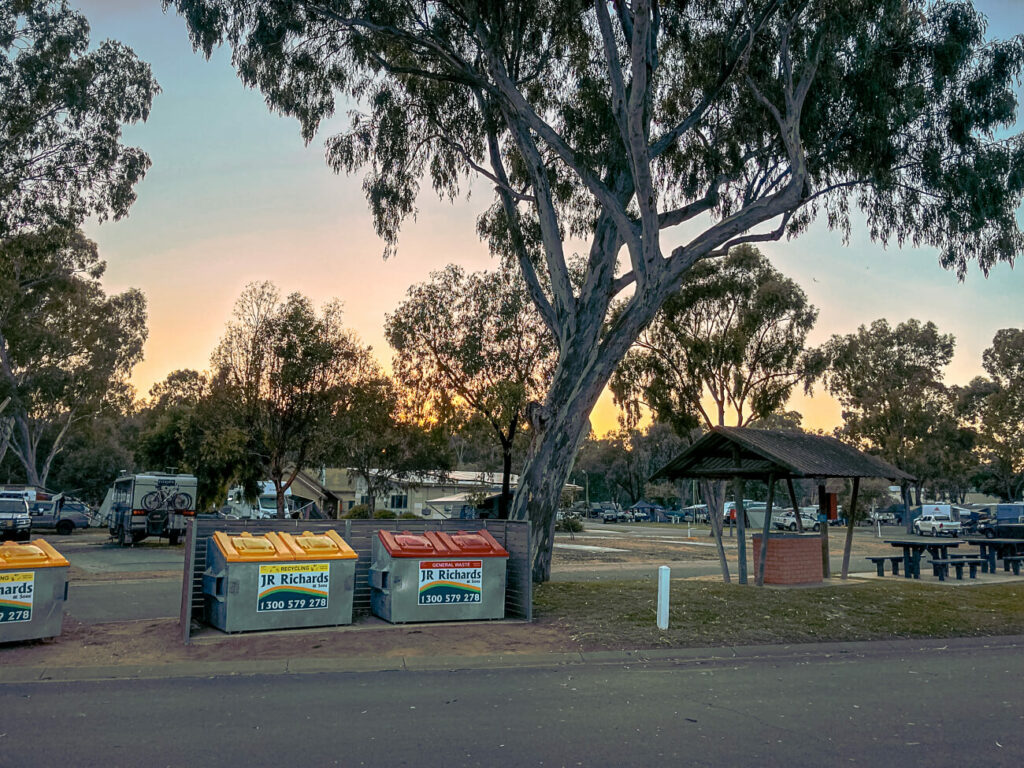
x=15 y=522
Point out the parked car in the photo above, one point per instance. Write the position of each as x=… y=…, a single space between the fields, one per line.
x=62 y=516
x=786 y=520
x=15 y=521
x=998 y=529
x=936 y=525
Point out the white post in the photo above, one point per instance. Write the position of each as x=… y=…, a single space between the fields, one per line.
x=663 y=588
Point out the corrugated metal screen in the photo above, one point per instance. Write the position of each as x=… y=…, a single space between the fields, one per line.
x=514 y=536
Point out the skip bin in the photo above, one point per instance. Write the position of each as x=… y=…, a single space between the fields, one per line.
x=278 y=581
x=437 y=576
x=33 y=590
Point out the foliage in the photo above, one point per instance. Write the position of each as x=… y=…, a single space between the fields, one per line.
x=734 y=335
x=473 y=345
x=713 y=122
x=358 y=512
x=289 y=374
x=384 y=514
x=889 y=384
x=619 y=464
x=995 y=409
x=190 y=424
x=569 y=525
x=61 y=111
x=66 y=348
x=381 y=443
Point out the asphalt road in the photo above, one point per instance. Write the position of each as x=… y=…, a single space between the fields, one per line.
x=958 y=706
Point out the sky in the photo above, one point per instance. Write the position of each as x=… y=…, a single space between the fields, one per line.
x=234 y=196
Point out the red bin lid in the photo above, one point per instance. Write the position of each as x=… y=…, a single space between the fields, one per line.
x=480 y=543
x=406 y=544
x=438 y=544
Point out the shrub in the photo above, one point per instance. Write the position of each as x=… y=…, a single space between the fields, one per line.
x=409 y=516
x=358 y=512
x=569 y=525
x=384 y=514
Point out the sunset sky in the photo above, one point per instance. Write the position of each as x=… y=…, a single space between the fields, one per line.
x=235 y=196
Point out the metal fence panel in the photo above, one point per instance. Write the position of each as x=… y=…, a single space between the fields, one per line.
x=513 y=535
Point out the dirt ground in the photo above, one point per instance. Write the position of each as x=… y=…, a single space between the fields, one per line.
x=148 y=643
x=154 y=642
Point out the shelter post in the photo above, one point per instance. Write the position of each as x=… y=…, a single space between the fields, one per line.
x=741 y=514
x=826 y=567
x=764 y=531
x=796 y=506
x=905 y=493
x=741 y=528
x=848 y=544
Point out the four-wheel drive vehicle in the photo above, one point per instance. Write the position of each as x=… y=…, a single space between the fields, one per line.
x=62 y=515
x=996 y=529
x=15 y=522
x=936 y=525
x=151 y=504
x=786 y=520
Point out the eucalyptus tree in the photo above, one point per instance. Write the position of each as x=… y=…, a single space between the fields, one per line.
x=474 y=344
x=66 y=347
x=658 y=133
x=290 y=372
x=62 y=106
x=889 y=382
x=994 y=407
x=727 y=349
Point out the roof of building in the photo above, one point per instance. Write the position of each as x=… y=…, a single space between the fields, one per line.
x=727 y=452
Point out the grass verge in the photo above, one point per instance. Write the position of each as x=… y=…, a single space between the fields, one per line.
x=621 y=615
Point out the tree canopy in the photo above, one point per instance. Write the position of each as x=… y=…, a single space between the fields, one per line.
x=889 y=382
x=661 y=133
x=290 y=372
x=62 y=106
x=66 y=348
x=995 y=409
x=727 y=347
x=473 y=344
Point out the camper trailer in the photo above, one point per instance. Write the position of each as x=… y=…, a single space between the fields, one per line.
x=150 y=504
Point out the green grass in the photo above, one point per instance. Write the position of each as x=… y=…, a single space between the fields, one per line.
x=618 y=615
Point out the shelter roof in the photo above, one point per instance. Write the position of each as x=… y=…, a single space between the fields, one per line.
x=727 y=452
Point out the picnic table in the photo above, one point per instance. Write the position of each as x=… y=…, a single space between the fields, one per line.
x=914 y=548
x=1001 y=548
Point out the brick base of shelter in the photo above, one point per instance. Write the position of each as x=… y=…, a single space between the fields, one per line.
x=792 y=559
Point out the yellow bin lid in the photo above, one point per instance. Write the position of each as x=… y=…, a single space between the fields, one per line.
x=327 y=545
x=246 y=548
x=38 y=554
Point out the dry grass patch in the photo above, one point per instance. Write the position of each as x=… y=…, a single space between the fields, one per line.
x=617 y=615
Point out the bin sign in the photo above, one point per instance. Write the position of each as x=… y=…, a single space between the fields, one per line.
x=17 y=591
x=293 y=587
x=450 y=581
